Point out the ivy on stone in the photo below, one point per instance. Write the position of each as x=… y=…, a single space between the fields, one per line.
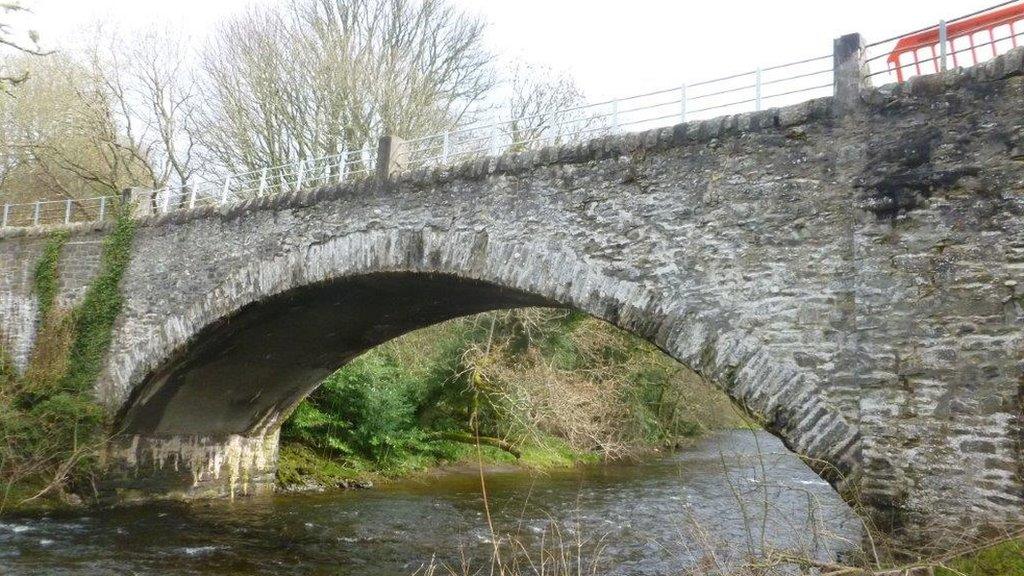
x=94 y=318
x=47 y=283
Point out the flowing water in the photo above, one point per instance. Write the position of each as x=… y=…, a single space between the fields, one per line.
x=726 y=494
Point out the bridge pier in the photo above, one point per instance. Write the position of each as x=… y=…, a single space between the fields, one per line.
x=142 y=467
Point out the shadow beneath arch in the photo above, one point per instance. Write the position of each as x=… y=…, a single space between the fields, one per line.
x=243 y=374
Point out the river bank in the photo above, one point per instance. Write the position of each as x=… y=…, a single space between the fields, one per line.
x=717 y=501
x=301 y=469
x=638 y=518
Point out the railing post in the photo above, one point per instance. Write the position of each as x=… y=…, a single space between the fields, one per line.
x=103 y=208
x=682 y=103
x=342 y=166
x=166 y=203
x=615 y=115
x=298 y=179
x=7 y=213
x=191 y=197
x=140 y=201
x=943 y=39
x=35 y=216
x=850 y=72
x=224 y=192
x=67 y=211
x=263 y=182
x=392 y=157
x=445 y=145
x=757 y=90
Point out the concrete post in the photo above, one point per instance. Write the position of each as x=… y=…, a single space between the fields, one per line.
x=140 y=201
x=392 y=157
x=850 y=71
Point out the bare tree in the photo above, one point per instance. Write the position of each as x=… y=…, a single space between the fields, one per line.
x=322 y=76
x=92 y=121
x=160 y=89
x=60 y=135
x=110 y=127
x=543 y=105
x=275 y=85
x=10 y=39
x=150 y=92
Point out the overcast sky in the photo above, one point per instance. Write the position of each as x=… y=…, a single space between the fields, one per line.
x=611 y=48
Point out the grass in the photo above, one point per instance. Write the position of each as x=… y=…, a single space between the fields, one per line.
x=563 y=552
x=552 y=452
x=1003 y=559
x=302 y=466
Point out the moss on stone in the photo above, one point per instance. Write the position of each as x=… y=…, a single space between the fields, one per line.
x=301 y=467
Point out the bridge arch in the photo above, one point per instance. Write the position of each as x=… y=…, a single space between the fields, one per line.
x=291 y=320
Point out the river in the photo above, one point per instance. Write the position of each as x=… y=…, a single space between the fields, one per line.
x=654 y=517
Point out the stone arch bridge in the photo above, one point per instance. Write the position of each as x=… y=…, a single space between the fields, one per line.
x=850 y=270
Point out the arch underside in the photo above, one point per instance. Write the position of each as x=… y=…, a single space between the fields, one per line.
x=244 y=374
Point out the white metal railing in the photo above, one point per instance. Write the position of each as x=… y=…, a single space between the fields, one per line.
x=752 y=90
x=323 y=171
x=756 y=89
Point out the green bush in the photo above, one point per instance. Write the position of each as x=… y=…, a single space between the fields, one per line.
x=422 y=398
x=369 y=410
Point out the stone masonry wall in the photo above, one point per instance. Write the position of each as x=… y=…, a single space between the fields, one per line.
x=939 y=264
x=18 y=304
x=19 y=254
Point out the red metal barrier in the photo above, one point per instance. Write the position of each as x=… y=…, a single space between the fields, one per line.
x=928 y=41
